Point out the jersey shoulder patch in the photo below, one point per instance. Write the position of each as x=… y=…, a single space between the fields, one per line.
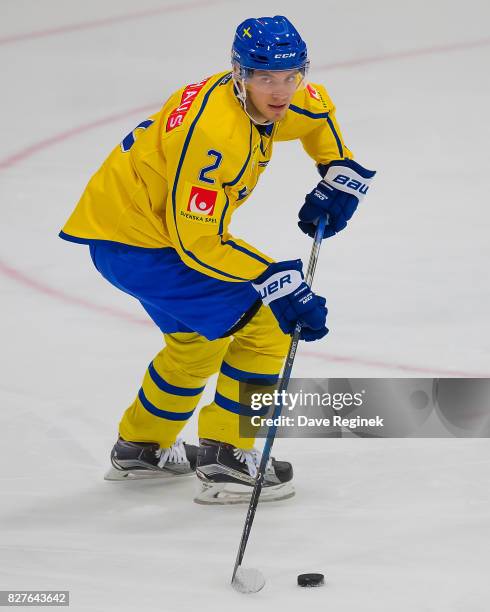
x=187 y=101
x=316 y=98
x=183 y=105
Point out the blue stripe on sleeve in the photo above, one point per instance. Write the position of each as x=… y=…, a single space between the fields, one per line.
x=242 y=249
x=222 y=220
x=174 y=189
x=163 y=414
x=231 y=243
x=307 y=113
x=234 y=182
x=163 y=385
x=337 y=137
x=240 y=174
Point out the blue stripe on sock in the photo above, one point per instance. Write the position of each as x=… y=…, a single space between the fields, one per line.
x=163 y=385
x=237 y=408
x=250 y=377
x=163 y=414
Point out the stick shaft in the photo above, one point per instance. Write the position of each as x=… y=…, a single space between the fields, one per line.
x=271 y=434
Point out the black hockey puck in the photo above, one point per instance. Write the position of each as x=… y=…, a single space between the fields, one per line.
x=311 y=580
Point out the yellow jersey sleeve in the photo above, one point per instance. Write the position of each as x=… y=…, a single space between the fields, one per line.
x=311 y=118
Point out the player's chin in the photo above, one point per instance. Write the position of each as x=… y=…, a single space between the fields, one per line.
x=277 y=111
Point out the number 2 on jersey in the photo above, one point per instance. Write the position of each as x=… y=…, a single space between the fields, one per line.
x=218 y=158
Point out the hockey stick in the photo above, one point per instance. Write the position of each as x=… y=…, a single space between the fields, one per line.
x=251 y=580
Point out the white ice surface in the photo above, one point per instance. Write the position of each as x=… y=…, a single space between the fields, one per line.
x=394 y=524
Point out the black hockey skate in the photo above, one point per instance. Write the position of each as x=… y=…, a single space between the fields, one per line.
x=227 y=475
x=138 y=460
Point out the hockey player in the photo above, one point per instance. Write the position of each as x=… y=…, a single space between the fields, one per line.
x=156 y=217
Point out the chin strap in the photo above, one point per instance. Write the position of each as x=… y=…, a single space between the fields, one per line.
x=241 y=94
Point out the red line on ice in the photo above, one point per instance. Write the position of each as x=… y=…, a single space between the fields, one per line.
x=107 y=21
x=37 y=147
x=408 y=54
x=28 y=281
x=391 y=365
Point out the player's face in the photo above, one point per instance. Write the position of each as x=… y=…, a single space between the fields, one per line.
x=271 y=92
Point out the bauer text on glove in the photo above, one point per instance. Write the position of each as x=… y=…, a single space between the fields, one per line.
x=291 y=300
x=344 y=184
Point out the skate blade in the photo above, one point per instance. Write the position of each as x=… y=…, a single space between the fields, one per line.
x=117 y=475
x=226 y=494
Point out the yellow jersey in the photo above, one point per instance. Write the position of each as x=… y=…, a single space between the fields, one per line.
x=176 y=180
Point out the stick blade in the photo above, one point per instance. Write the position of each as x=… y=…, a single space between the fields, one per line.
x=248 y=580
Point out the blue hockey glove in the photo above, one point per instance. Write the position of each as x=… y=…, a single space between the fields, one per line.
x=344 y=184
x=291 y=300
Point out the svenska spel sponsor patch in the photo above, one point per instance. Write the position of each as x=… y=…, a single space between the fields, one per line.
x=178 y=114
x=202 y=201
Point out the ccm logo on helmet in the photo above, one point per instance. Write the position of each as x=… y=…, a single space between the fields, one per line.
x=275 y=286
x=342 y=179
x=284 y=55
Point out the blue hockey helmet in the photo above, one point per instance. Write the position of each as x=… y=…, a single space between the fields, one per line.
x=269 y=43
